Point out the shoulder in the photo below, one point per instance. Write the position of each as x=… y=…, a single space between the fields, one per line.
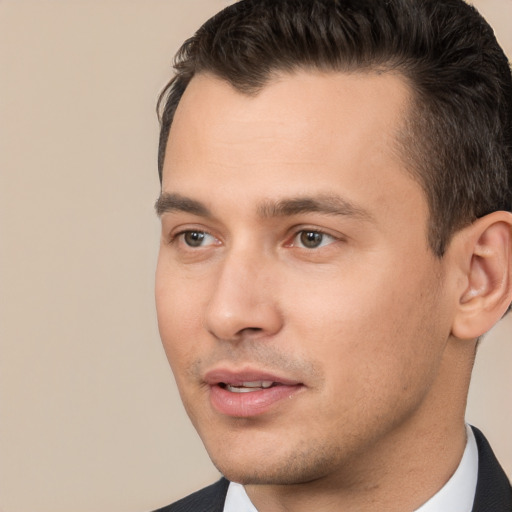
x=209 y=499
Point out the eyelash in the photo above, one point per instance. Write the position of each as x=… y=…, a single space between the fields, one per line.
x=294 y=240
x=308 y=231
x=180 y=236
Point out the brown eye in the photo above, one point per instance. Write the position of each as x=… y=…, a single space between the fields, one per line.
x=194 y=238
x=311 y=239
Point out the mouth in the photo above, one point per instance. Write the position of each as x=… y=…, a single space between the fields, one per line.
x=248 y=393
x=249 y=387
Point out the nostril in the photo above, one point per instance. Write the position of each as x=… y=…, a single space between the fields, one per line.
x=235 y=316
x=250 y=330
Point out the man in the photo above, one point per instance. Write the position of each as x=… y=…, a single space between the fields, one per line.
x=336 y=237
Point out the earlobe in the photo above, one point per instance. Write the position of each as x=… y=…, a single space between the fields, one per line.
x=486 y=259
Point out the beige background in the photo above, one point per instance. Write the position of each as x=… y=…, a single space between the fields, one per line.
x=89 y=418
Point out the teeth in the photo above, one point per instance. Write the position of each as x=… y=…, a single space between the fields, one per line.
x=235 y=389
x=258 y=384
x=248 y=387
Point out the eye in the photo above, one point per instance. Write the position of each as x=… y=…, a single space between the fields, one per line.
x=311 y=239
x=194 y=238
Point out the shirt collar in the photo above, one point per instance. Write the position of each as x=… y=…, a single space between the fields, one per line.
x=237 y=499
x=457 y=494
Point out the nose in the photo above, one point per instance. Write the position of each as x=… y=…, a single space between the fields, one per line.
x=244 y=302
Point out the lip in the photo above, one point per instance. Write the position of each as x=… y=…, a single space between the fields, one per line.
x=254 y=403
x=238 y=377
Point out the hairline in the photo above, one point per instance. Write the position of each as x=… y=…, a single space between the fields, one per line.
x=406 y=133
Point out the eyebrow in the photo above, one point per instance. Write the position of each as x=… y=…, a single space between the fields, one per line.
x=178 y=203
x=326 y=204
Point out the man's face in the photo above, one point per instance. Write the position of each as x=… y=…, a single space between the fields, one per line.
x=300 y=307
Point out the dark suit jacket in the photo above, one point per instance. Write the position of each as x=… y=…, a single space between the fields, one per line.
x=493 y=490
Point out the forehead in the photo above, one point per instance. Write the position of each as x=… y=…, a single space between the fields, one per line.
x=306 y=132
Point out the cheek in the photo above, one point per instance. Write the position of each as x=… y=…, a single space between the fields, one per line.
x=178 y=314
x=369 y=335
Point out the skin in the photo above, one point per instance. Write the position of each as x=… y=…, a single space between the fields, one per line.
x=363 y=321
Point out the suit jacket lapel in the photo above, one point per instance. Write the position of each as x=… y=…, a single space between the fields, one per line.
x=210 y=499
x=493 y=490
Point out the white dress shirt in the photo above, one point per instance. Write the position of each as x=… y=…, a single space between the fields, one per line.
x=457 y=494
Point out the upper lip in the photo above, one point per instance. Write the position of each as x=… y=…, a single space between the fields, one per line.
x=238 y=377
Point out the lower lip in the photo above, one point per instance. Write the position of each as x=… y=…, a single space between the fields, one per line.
x=253 y=403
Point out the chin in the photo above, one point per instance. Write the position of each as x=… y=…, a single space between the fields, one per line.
x=297 y=467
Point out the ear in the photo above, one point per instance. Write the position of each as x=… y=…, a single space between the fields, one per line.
x=485 y=258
